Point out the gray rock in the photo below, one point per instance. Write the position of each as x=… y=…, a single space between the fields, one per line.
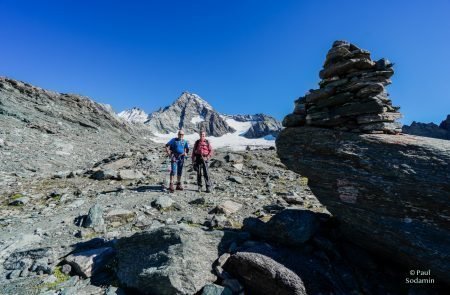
x=213 y=289
x=383 y=117
x=289 y=227
x=218 y=221
x=233 y=285
x=89 y=262
x=234 y=158
x=104 y=175
x=118 y=164
x=19 y=201
x=66 y=269
x=343 y=67
x=94 y=218
x=114 y=291
x=238 y=166
x=292 y=120
x=38 y=260
x=263 y=275
x=228 y=207
x=293 y=199
x=163 y=203
x=236 y=179
x=223 y=259
x=62 y=174
x=129 y=174
x=173 y=260
x=119 y=216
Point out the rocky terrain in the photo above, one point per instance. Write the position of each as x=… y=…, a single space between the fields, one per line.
x=390 y=192
x=43 y=131
x=81 y=234
x=429 y=129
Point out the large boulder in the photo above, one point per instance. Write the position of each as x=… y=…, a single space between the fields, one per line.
x=390 y=192
x=263 y=275
x=290 y=227
x=171 y=260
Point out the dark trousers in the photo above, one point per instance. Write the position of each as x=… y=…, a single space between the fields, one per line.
x=202 y=166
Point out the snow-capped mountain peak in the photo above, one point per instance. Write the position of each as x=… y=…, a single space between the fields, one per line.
x=191 y=113
x=194 y=99
x=134 y=115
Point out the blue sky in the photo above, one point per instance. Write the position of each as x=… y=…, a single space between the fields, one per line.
x=241 y=56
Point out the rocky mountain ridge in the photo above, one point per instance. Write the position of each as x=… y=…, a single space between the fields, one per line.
x=429 y=129
x=134 y=115
x=192 y=113
x=262 y=125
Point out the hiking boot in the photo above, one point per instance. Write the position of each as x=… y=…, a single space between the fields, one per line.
x=179 y=186
x=207 y=189
x=171 y=188
x=199 y=189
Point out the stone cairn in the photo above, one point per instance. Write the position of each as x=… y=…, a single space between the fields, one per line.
x=352 y=95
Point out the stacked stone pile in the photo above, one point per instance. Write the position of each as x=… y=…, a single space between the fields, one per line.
x=352 y=94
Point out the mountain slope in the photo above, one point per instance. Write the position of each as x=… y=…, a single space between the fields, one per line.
x=42 y=131
x=262 y=125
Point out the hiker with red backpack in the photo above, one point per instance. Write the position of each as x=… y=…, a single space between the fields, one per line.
x=177 y=148
x=200 y=157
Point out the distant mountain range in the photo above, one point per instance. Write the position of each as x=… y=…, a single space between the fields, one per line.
x=429 y=129
x=192 y=113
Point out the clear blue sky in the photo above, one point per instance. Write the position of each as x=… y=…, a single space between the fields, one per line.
x=241 y=56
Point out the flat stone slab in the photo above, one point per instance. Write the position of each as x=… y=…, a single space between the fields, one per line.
x=89 y=262
x=229 y=207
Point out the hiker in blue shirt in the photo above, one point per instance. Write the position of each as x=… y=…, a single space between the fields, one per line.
x=177 y=149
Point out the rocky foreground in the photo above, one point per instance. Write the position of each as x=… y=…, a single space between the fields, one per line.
x=113 y=229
